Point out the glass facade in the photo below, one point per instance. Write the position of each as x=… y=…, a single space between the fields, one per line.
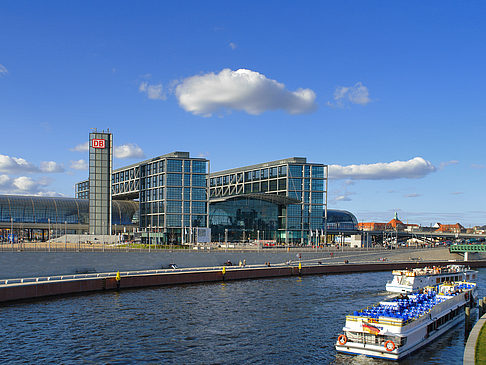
x=100 y=167
x=171 y=191
x=173 y=199
x=241 y=219
x=176 y=194
x=44 y=210
x=293 y=178
x=341 y=220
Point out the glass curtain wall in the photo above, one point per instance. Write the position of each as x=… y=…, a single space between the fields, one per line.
x=243 y=220
x=297 y=223
x=173 y=199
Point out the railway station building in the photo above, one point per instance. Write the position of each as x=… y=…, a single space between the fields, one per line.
x=174 y=198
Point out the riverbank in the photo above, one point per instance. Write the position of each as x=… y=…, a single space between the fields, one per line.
x=35 y=264
x=474 y=353
x=34 y=288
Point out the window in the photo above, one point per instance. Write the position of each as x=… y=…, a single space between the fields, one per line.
x=199 y=180
x=273 y=172
x=264 y=173
x=317 y=185
x=199 y=221
x=174 y=165
x=187 y=207
x=198 y=194
x=199 y=167
x=174 y=193
x=295 y=195
x=295 y=184
x=317 y=198
x=174 y=179
x=295 y=171
x=317 y=171
x=173 y=220
x=282 y=184
x=198 y=207
x=187 y=166
x=307 y=184
x=273 y=185
x=293 y=223
x=187 y=180
x=174 y=206
x=282 y=171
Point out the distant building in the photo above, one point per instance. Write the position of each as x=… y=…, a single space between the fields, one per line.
x=395 y=224
x=450 y=228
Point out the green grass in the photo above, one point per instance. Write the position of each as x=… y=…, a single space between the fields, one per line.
x=481 y=346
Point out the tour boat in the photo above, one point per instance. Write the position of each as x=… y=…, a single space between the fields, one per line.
x=407 y=281
x=397 y=327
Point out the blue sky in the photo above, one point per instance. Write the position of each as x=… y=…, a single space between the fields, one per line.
x=390 y=94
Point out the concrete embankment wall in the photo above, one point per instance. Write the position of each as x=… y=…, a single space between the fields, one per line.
x=63 y=287
x=34 y=264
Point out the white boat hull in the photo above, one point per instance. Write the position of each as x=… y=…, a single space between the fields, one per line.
x=355 y=348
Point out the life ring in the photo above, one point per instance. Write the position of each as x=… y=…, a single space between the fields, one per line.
x=390 y=345
x=342 y=339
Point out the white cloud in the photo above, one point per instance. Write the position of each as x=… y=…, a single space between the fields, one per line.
x=478 y=166
x=79 y=165
x=357 y=94
x=128 y=150
x=242 y=89
x=83 y=147
x=3 y=70
x=447 y=163
x=342 y=198
x=51 y=166
x=16 y=165
x=232 y=45
x=153 y=92
x=21 y=185
x=412 y=195
x=412 y=169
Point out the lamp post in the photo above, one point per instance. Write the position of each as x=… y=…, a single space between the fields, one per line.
x=148 y=236
x=65 y=235
x=49 y=233
x=11 y=232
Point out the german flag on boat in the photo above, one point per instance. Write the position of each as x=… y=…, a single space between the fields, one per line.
x=370 y=328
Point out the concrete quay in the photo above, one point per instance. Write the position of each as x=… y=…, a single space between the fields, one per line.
x=21 y=264
x=474 y=342
x=35 y=288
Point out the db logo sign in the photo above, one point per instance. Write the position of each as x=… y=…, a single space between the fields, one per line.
x=98 y=143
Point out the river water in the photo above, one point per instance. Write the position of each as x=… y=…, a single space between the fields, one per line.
x=269 y=321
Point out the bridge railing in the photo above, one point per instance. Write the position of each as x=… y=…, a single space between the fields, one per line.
x=468 y=248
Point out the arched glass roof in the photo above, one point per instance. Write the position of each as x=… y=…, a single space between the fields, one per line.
x=36 y=209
